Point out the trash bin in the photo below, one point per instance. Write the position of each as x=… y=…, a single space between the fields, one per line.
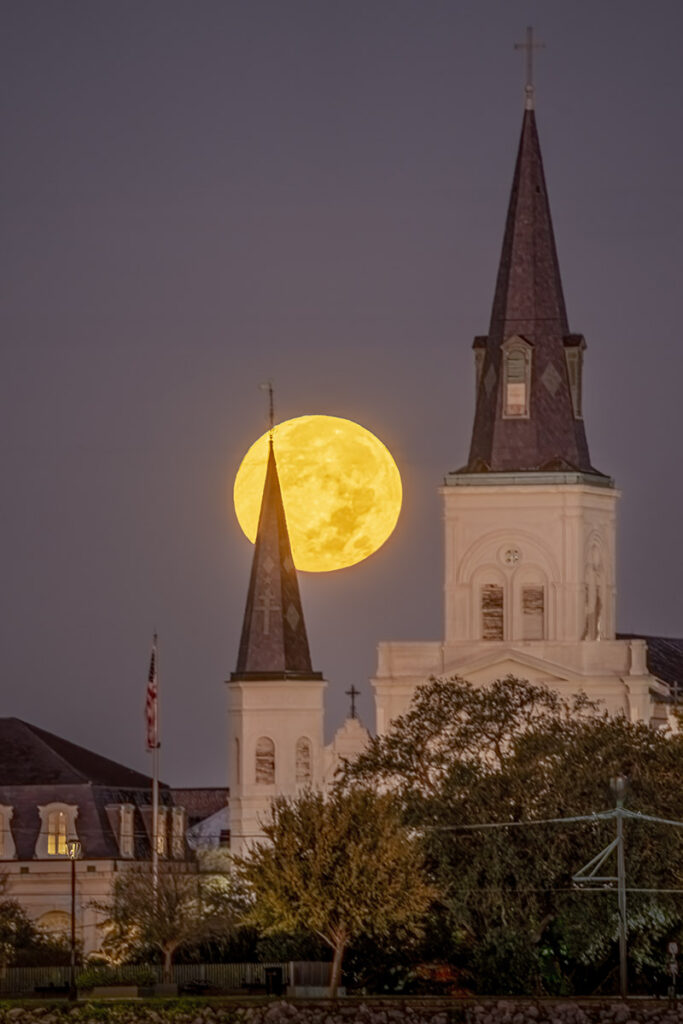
x=274 y=981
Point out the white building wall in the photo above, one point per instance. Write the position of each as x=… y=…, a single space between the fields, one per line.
x=284 y=711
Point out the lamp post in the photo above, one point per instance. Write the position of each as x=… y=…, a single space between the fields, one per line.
x=73 y=848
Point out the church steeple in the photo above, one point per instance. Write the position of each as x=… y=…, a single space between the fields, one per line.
x=528 y=415
x=274 y=644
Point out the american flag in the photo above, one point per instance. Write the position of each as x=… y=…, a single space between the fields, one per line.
x=152 y=701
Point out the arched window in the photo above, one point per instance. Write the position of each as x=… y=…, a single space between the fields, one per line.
x=55 y=922
x=516 y=377
x=56 y=833
x=533 y=611
x=492 y=620
x=303 y=761
x=265 y=761
x=57 y=827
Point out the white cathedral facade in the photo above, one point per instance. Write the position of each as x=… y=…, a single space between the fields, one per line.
x=529 y=573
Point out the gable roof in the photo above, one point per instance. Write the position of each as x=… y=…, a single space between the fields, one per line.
x=30 y=756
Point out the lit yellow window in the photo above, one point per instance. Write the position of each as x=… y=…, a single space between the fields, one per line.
x=56 y=833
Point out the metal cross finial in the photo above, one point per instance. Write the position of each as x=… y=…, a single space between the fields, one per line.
x=267 y=385
x=353 y=693
x=529 y=45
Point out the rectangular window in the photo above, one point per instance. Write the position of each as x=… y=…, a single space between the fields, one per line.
x=56 y=833
x=533 y=613
x=491 y=612
x=516 y=382
x=127 y=838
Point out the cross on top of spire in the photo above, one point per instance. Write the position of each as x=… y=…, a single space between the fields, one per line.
x=268 y=386
x=530 y=44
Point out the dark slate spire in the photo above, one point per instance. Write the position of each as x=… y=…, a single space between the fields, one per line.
x=544 y=430
x=274 y=644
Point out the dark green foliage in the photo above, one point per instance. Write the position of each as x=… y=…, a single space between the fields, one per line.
x=514 y=753
x=22 y=944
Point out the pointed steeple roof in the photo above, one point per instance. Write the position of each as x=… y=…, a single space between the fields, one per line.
x=529 y=314
x=274 y=644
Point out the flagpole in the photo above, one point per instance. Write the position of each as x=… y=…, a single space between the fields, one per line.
x=155 y=781
x=153 y=744
x=155 y=818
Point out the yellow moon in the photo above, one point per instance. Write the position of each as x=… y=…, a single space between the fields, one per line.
x=341 y=490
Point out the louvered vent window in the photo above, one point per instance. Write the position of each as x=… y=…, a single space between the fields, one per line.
x=491 y=612
x=517 y=366
x=303 y=761
x=265 y=761
x=533 y=613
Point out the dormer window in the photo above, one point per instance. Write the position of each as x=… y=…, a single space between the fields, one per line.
x=126 y=840
x=574 y=345
x=57 y=826
x=7 y=847
x=516 y=377
x=479 y=346
x=162 y=831
x=178 y=832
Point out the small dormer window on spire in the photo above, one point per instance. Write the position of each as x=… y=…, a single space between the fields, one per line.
x=574 y=346
x=516 y=377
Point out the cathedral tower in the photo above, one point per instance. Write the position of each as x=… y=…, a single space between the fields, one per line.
x=275 y=698
x=530 y=524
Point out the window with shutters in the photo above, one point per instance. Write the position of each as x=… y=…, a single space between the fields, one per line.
x=265 y=761
x=492 y=611
x=517 y=377
x=533 y=612
x=303 y=761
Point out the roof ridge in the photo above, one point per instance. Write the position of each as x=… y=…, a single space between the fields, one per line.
x=40 y=734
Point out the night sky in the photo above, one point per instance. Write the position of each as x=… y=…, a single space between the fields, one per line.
x=200 y=195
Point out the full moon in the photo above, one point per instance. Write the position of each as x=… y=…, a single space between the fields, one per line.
x=341 y=490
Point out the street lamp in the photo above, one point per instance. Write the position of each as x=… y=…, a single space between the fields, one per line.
x=73 y=848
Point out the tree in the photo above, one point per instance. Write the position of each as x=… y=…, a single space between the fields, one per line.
x=342 y=867
x=22 y=944
x=188 y=907
x=514 y=752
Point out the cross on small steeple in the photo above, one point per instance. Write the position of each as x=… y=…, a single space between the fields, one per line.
x=266 y=604
x=353 y=693
x=529 y=45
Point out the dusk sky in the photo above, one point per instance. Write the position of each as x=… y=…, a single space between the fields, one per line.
x=200 y=195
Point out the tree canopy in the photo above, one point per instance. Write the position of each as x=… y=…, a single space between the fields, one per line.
x=514 y=753
x=185 y=908
x=342 y=867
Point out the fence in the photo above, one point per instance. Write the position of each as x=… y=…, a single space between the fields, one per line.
x=227 y=977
